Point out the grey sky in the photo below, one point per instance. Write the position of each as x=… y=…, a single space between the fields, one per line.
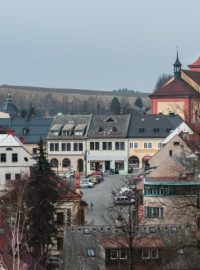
x=95 y=44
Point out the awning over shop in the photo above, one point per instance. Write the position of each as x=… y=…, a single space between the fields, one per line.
x=146 y=158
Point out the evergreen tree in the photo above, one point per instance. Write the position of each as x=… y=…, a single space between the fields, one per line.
x=115 y=106
x=41 y=197
x=139 y=103
x=162 y=80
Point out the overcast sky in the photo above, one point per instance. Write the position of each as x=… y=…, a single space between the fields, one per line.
x=95 y=44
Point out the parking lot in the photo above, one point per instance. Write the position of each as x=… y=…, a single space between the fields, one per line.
x=99 y=199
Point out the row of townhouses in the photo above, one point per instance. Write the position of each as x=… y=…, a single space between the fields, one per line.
x=85 y=143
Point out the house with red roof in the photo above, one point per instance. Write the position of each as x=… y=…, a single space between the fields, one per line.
x=181 y=94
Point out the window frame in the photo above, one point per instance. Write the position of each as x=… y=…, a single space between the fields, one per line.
x=116 y=251
x=14 y=157
x=120 y=254
x=90 y=252
x=3 y=157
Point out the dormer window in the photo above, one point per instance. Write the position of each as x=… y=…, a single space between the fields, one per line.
x=25 y=130
x=55 y=130
x=68 y=130
x=156 y=130
x=109 y=119
x=169 y=130
x=79 y=130
x=141 y=130
x=114 y=129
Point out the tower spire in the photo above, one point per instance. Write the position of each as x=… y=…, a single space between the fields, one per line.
x=177 y=67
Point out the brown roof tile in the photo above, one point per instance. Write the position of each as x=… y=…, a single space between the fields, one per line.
x=194 y=75
x=176 y=88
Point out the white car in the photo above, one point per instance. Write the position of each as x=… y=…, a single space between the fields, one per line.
x=67 y=175
x=86 y=184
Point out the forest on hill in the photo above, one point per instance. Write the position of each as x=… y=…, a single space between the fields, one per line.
x=39 y=102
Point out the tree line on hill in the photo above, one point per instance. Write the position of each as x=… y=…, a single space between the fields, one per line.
x=36 y=105
x=44 y=103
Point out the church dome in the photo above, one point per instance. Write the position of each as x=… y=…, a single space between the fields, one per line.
x=9 y=106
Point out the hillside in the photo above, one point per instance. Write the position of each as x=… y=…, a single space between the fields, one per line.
x=53 y=100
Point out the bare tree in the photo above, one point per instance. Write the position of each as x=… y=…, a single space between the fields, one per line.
x=14 y=221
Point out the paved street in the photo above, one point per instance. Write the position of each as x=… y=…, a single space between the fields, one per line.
x=101 y=198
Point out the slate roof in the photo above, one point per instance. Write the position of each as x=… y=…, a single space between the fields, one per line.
x=153 y=126
x=112 y=126
x=194 y=75
x=78 y=239
x=32 y=130
x=76 y=242
x=176 y=88
x=69 y=122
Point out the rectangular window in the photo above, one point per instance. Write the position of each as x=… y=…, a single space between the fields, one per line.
x=94 y=145
x=119 y=146
x=176 y=143
x=78 y=146
x=147 y=145
x=154 y=254
x=154 y=212
x=90 y=252
x=107 y=145
x=59 y=243
x=51 y=146
x=17 y=176
x=60 y=218
x=54 y=147
x=91 y=145
x=131 y=145
x=14 y=157
x=8 y=176
x=123 y=254
x=68 y=146
x=119 y=165
x=145 y=254
x=63 y=146
x=75 y=146
x=3 y=157
x=149 y=254
x=159 y=145
x=104 y=146
x=114 y=254
x=136 y=145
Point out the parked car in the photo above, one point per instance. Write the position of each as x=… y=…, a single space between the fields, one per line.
x=123 y=200
x=67 y=175
x=92 y=179
x=96 y=173
x=86 y=184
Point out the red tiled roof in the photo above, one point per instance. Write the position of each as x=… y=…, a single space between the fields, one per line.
x=145 y=241
x=148 y=241
x=66 y=193
x=195 y=64
x=175 y=88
